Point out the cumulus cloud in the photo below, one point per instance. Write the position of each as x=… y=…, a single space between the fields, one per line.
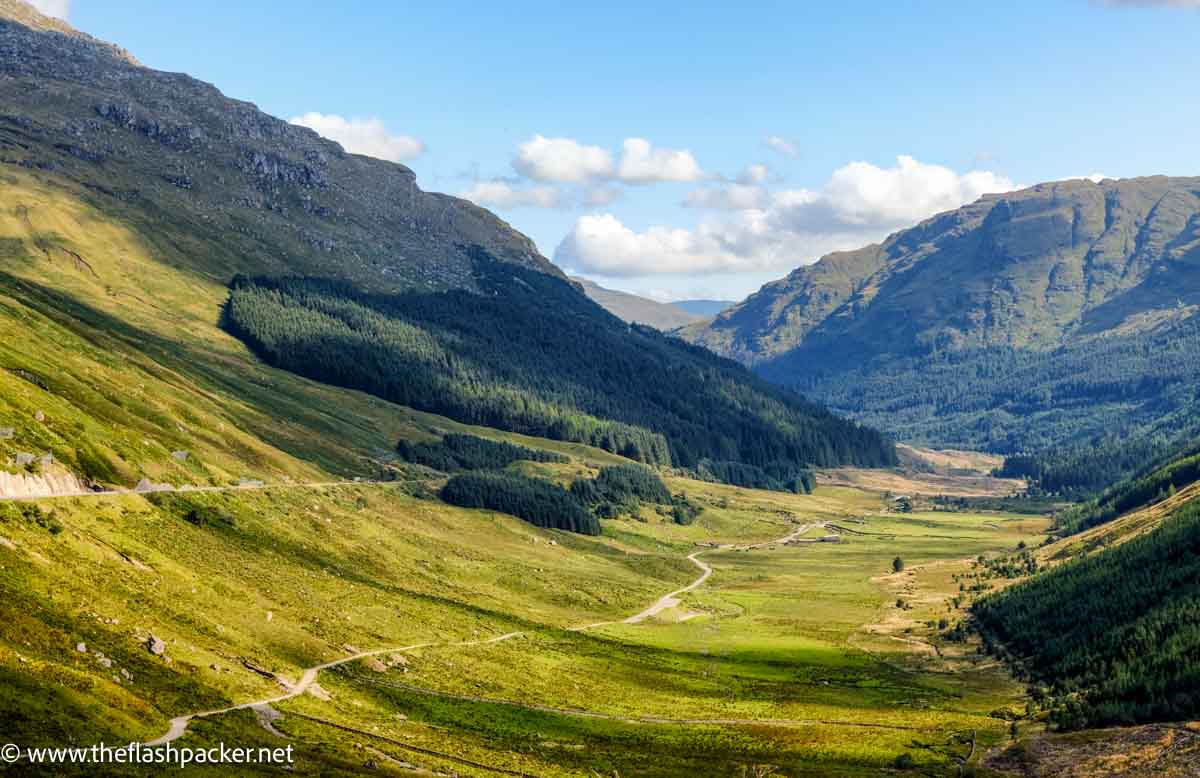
x=59 y=9
x=783 y=146
x=859 y=204
x=600 y=243
x=642 y=163
x=566 y=160
x=362 y=136
x=864 y=196
x=499 y=193
x=562 y=160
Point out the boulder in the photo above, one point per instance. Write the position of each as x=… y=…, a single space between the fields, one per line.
x=156 y=645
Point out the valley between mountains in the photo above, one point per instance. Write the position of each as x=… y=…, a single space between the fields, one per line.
x=293 y=452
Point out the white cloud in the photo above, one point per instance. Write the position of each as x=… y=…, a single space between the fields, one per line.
x=731 y=197
x=499 y=193
x=362 y=136
x=566 y=160
x=783 y=146
x=859 y=204
x=562 y=159
x=642 y=163
x=59 y=9
x=600 y=243
x=1096 y=178
x=862 y=196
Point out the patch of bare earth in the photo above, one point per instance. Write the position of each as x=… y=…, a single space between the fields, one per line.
x=1159 y=750
x=926 y=484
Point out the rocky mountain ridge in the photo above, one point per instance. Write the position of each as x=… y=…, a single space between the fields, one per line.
x=158 y=146
x=1027 y=269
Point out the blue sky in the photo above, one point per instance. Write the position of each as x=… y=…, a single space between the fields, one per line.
x=1018 y=92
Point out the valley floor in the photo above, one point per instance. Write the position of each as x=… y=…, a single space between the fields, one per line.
x=369 y=626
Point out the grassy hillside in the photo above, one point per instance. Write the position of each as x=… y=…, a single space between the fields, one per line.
x=1058 y=321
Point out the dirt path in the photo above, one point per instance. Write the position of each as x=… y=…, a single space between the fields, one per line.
x=179 y=724
x=668 y=601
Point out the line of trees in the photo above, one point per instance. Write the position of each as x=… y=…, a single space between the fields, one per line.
x=777 y=477
x=1157 y=483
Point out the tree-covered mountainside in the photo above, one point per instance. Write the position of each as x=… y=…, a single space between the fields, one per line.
x=1114 y=635
x=1036 y=322
x=526 y=356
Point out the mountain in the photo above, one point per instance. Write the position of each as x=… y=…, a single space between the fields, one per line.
x=171 y=153
x=704 y=308
x=638 y=310
x=1061 y=316
x=116 y=174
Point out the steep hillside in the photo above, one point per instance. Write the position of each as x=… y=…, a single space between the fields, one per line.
x=172 y=155
x=1114 y=634
x=131 y=198
x=637 y=310
x=1035 y=319
x=1106 y=617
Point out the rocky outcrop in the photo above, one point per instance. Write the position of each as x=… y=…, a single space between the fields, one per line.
x=54 y=481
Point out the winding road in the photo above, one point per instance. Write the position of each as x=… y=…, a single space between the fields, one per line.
x=179 y=724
